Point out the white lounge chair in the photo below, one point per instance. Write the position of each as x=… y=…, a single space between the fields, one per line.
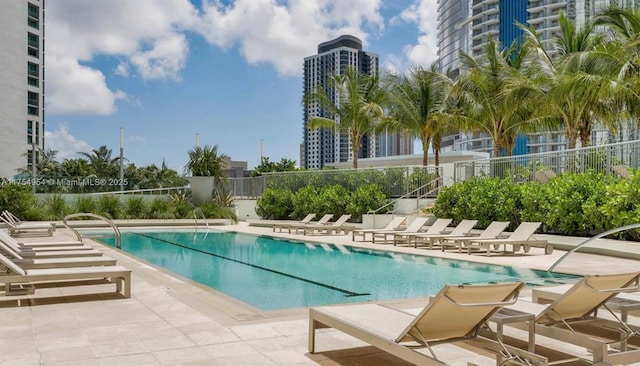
x=44 y=244
x=29 y=227
x=492 y=231
x=455 y=314
x=285 y=225
x=462 y=229
x=338 y=226
x=49 y=252
x=414 y=226
x=61 y=262
x=324 y=220
x=16 y=221
x=520 y=238
x=572 y=318
x=119 y=275
x=393 y=225
x=437 y=228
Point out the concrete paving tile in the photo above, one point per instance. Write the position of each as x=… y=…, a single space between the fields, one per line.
x=152 y=330
x=292 y=327
x=144 y=359
x=61 y=353
x=88 y=362
x=158 y=344
x=110 y=334
x=65 y=338
x=181 y=356
x=244 y=360
x=119 y=349
x=229 y=349
x=19 y=358
x=205 y=337
x=286 y=357
x=255 y=331
x=18 y=344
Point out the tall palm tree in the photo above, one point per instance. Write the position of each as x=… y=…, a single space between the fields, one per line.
x=417 y=102
x=480 y=99
x=357 y=108
x=571 y=95
x=101 y=161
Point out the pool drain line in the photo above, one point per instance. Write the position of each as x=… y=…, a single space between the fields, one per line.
x=346 y=292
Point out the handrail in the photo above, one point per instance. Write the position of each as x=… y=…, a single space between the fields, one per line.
x=204 y=218
x=141 y=191
x=88 y=214
x=612 y=231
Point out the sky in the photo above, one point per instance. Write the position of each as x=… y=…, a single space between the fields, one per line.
x=230 y=72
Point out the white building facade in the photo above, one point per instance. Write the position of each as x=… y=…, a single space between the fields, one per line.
x=22 y=88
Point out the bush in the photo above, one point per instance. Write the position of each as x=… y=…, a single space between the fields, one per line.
x=366 y=198
x=622 y=205
x=84 y=204
x=55 y=207
x=109 y=206
x=135 y=208
x=332 y=200
x=16 y=198
x=304 y=202
x=212 y=210
x=160 y=208
x=275 y=204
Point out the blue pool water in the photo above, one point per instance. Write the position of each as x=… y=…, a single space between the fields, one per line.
x=277 y=274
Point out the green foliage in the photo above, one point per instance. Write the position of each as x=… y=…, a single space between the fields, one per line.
x=304 y=202
x=275 y=204
x=332 y=199
x=55 y=207
x=206 y=162
x=181 y=204
x=109 y=206
x=366 y=198
x=84 y=204
x=621 y=205
x=135 y=208
x=267 y=166
x=16 y=198
x=223 y=197
x=212 y=210
x=160 y=208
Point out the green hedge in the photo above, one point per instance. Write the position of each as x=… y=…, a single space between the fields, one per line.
x=278 y=203
x=581 y=204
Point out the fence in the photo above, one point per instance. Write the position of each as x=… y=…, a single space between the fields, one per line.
x=614 y=159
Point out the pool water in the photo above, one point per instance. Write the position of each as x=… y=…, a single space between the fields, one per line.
x=270 y=274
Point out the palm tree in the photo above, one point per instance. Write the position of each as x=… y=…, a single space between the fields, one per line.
x=357 y=108
x=417 y=103
x=480 y=99
x=101 y=161
x=572 y=95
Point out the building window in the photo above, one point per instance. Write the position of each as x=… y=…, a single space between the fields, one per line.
x=33 y=45
x=33 y=103
x=33 y=19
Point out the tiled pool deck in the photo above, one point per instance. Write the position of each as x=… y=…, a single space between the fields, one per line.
x=172 y=321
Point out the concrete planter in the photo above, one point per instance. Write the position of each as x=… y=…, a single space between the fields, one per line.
x=201 y=189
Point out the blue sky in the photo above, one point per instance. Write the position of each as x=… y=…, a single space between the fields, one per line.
x=230 y=71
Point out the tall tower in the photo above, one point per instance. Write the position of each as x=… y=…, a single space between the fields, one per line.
x=322 y=146
x=22 y=91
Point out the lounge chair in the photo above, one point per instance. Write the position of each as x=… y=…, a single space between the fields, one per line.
x=44 y=244
x=28 y=227
x=572 y=318
x=520 y=238
x=49 y=252
x=119 y=275
x=393 y=225
x=455 y=314
x=338 y=226
x=493 y=231
x=462 y=229
x=624 y=302
x=437 y=228
x=285 y=225
x=324 y=220
x=414 y=226
x=61 y=262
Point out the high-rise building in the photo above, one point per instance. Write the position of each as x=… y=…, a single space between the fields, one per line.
x=468 y=25
x=334 y=57
x=22 y=91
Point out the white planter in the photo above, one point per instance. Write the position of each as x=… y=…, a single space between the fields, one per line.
x=201 y=189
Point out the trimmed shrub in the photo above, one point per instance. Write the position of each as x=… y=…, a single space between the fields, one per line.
x=275 y=204
x=160 y=208
x=135 y=208
x=213 y=210
x=366 y=198
x=304 y=202
x=84 y=204
x=16 y=198
x=622 y=205
x=109 y=206
x=332 y=199
x=55 y=207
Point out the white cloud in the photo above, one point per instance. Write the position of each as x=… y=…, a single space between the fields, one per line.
x=424 y=13
x=76 y=89
x=282 y=33
x=66 y=144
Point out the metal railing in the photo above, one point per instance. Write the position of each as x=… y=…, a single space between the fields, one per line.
x=429 y=190
x=616 y=159
x=115 y=228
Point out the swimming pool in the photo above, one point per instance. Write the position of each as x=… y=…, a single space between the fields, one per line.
x=270 y=273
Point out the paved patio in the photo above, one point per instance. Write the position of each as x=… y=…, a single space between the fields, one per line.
x=170 y=320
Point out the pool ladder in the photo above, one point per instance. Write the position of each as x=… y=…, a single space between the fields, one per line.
x=115 y=228
x=204 y=218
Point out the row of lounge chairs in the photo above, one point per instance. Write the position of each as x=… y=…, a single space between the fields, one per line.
x=439 y=235
x=323 y=226
x=26 y=265
x=464 y=313
x=17 y=227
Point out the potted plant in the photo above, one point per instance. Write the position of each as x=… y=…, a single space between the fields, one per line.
x=207 y=169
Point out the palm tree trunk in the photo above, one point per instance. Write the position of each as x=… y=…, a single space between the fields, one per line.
x=425 y=151
x=355 y=147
